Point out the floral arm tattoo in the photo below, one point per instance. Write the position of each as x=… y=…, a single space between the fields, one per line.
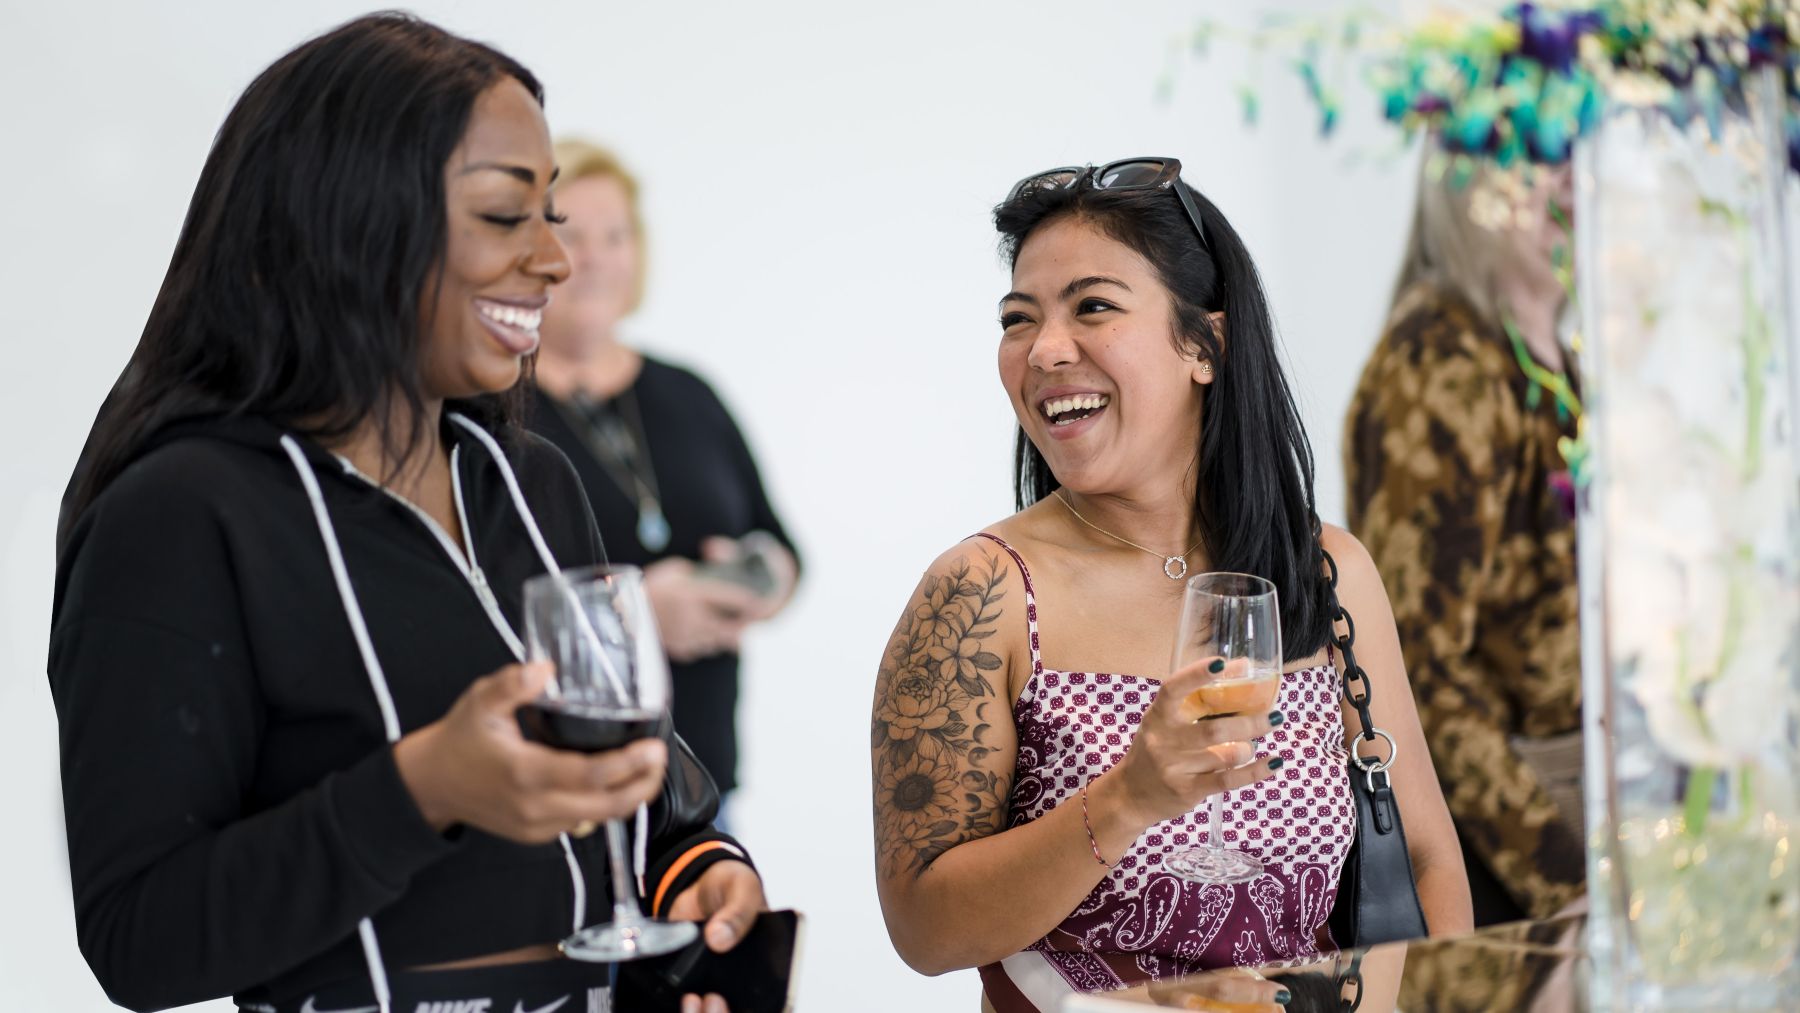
x=932 y=701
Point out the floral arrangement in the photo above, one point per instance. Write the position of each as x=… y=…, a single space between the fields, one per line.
x=1518 y=87
x=1522 y=85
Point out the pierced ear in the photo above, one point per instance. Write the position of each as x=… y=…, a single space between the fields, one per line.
x=1205 y=369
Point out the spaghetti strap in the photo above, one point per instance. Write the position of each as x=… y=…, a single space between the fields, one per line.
x=1031 y=622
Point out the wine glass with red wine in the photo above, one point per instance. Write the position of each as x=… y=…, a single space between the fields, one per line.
x=611 y=688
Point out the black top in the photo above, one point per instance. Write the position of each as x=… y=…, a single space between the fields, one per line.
x=233 y=805
x=709 y=486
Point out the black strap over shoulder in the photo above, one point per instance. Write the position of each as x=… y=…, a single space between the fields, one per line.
x=1378 y=899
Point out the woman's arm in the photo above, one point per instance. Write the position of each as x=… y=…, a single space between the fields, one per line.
x=956 y=889
x=1430 y=835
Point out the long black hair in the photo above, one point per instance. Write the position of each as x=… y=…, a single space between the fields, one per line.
x=1253 y=496
x=315 y=233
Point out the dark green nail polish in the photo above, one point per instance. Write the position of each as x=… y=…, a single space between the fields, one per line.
x=1217 y=666
x=1283 y=997
x=1275 y=764
x=1276 y=718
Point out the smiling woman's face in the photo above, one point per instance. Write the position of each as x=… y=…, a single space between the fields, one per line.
x=1089 y=358
x=480 y=318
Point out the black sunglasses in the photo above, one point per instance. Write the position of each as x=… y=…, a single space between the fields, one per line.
x=1125 y=174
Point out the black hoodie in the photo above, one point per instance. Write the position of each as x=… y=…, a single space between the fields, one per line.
x=233 y=806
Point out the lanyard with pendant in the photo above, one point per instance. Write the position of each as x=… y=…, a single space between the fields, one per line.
x=618 y=441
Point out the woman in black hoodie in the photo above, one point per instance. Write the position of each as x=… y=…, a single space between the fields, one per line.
x=284 y=650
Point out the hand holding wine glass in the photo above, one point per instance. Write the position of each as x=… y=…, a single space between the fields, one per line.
x=473 y=767
x=1185 y=752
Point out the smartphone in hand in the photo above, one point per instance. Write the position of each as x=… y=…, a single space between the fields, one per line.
x=751 y=569
x=755 y=976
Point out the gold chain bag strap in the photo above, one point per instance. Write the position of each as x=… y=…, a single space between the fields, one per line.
x=1377 y=900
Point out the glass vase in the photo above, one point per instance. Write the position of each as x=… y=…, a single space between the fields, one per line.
x=1690 y=546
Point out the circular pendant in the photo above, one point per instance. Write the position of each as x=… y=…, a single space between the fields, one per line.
x=1174 y=567
x=652 y=528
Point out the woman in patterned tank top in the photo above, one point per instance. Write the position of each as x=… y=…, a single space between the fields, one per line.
x=1029 y=777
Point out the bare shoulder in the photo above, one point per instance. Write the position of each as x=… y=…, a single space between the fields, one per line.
x=971 y=601
x=973 y=551
x=1359 y=582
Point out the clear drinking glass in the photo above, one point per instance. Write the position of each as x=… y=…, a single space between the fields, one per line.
x=611 y=688
x=1233 y=616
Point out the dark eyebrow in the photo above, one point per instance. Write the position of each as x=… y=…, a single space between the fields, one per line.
x=517 y=172
x=1078 y=285
x=1083 y=284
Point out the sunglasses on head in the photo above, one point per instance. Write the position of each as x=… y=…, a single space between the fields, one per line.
x=1125 y=174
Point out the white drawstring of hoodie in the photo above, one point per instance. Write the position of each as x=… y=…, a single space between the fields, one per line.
x=384 y=699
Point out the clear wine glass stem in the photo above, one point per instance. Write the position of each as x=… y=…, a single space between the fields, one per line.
x=1215 y=835
x=626 y=916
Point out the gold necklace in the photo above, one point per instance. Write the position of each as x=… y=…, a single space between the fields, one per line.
x=1174 y=567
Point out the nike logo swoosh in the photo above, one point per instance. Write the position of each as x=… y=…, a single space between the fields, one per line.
x=308 y=1007
x=519 y=1007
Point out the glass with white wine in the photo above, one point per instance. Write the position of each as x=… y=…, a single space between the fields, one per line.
x=1234 y=617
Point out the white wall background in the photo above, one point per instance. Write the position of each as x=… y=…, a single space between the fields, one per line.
x=818 y=178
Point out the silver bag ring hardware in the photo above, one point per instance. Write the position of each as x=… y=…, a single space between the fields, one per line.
x=1371 y=766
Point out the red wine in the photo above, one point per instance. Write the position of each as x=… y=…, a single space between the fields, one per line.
x=584 y=730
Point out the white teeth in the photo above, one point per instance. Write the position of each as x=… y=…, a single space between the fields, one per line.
x=1074 y=403
x=512 y=316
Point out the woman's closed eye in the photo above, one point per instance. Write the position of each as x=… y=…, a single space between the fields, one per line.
x=1013 y=319
x=514 y=221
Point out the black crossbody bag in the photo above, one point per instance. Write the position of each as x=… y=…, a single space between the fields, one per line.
x=1378 y=899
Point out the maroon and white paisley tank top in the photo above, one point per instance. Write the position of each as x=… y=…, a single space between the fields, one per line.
x=1141 y=922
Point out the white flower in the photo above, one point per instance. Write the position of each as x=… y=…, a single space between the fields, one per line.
x=1748 y=707
x=1717 y=683
x=1677 y=727
x=1666 y=583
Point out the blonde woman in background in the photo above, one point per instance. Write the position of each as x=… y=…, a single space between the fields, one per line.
x=1459 y=490
x=671 y=479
